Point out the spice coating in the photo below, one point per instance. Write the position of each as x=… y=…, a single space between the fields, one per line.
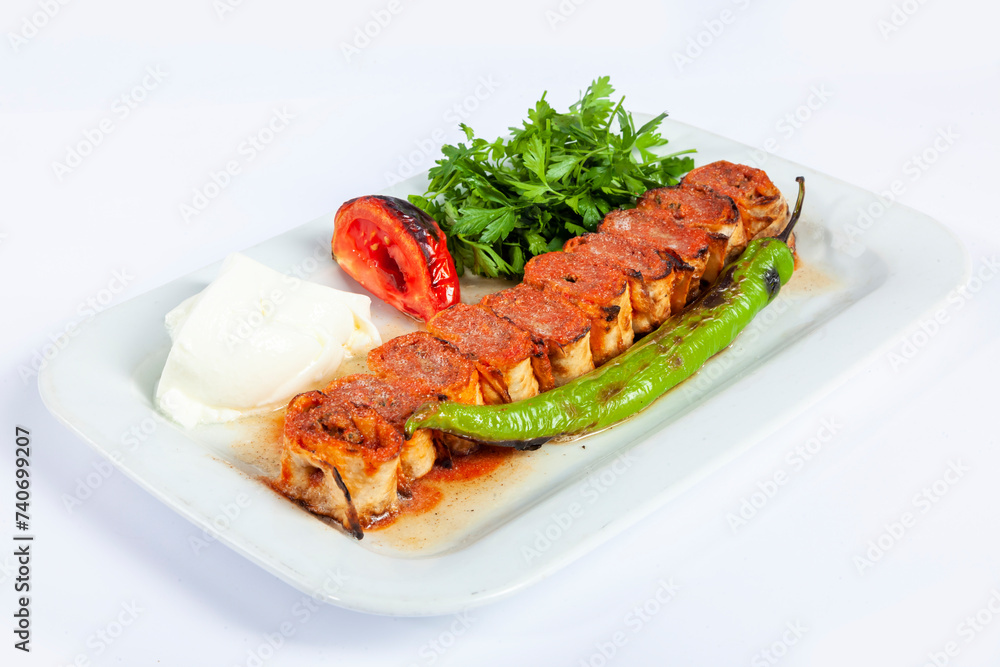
x=633 y=380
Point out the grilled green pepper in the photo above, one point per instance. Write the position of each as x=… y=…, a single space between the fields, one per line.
x=633 y=380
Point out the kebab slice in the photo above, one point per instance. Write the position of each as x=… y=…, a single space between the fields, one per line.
x=651 y=278
x=659 y=230
x=434 y=368
x=763 y=210
x=548 y=317
x=698 y=206
x=512 y=365
x=394 y=402
x=339 y=461
x=595 y=287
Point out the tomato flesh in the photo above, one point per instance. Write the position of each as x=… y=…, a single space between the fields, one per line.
x=364 y=234
x=398 y=253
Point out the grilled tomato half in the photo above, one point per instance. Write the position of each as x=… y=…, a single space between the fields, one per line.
x=398 y=253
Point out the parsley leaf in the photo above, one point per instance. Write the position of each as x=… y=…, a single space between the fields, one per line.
x=502 y=202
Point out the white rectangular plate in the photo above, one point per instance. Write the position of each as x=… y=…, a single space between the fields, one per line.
x=847 y=306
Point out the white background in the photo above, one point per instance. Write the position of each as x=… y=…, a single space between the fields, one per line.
x=885 y=97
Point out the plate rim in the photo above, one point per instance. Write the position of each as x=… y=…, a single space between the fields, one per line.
x=459 y=600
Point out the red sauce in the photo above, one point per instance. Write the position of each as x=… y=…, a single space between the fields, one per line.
x=423 y=498
x=428 y=491
x=477 y=464
x=276 y=425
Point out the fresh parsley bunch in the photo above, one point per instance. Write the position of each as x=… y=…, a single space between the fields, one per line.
x=502 y=202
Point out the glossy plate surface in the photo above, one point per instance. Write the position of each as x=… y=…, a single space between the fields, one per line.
x=851 y=302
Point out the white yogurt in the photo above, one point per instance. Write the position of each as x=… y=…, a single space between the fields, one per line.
x=254 y=338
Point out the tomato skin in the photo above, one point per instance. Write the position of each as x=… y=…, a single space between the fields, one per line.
x=398 y=253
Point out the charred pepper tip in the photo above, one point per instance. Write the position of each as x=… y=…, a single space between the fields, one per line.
x=786 y=232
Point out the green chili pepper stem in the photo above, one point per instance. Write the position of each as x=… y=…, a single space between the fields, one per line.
x=787 y=231
x=633 y=380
